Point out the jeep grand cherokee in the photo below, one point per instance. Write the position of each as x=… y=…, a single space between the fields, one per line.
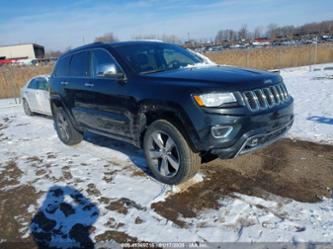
x=163 y=98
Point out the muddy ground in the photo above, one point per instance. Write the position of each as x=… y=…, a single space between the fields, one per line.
x=298 y=170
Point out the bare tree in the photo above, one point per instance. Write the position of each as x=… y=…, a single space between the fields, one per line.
x=243 y=33
x=258 y=32
x=165 y=38
x=109 y=37
x=52 y=53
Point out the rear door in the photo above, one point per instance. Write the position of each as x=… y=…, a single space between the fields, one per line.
x=43 y=96
x=78 y=91
x=30 y=94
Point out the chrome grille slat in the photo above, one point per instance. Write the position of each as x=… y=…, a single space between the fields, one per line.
x=269 y=97
x=261 y=98
x=280 y=92
x=264 y=98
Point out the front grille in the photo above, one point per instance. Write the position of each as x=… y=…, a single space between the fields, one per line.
x=264 y=98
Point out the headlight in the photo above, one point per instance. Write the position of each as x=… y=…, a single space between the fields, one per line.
x=214 y=99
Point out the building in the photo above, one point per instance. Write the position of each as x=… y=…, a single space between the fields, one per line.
x=22 y=51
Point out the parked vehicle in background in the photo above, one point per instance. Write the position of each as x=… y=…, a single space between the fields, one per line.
x=168 y=101
x=35 y=96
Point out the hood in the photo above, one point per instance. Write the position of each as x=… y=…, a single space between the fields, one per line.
x=220 y=75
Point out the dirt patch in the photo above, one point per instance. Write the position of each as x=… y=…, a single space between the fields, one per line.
x=40 y=172
x=14 y=215
x=67 y=173
x=122 y=205
x=138 y=220
x=3 y=126
x=113 y=224
x=34 y=159
x=299 y=170
x=13 y=211
x=92 y=190
x=117 y=236
x=10 y=174
x=51 y=155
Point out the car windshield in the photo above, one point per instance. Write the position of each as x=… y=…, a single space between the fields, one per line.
x=155 y=57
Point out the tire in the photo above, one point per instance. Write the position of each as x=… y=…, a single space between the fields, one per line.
x=26 y=108
x=163 y=155
x=65 y=129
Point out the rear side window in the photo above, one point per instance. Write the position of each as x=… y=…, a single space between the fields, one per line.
x=80 y=65
x=33 y=84
x=62 y=67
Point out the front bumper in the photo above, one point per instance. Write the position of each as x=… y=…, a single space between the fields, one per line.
x=250 y=132
x=253 y=142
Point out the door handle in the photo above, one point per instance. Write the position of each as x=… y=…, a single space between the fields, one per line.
x=88 y=84
x=64 y=83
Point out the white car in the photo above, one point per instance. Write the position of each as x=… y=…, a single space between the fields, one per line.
x=36 y=97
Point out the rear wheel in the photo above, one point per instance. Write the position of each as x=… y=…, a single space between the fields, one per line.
x=26 y=108
x=168 y=154
x=65 y=130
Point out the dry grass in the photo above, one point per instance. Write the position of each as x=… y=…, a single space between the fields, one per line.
x=12 y=78
x=273 y=58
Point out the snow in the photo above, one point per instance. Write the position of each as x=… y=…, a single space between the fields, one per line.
x=313 y=102
x=240 y=218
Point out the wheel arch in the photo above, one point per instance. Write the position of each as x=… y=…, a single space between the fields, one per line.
x=55 y=102
x=150 y=112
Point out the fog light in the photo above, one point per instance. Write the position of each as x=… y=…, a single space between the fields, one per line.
x=253 y=142
x=220 y=131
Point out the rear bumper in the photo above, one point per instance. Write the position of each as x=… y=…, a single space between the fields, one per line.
x=250 y=132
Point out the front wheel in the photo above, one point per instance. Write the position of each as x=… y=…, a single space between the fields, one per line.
x=65 y=130
x=169 y=157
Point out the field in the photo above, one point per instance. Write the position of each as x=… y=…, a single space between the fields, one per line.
x=102 y=189
x=276 y=57
x=14 y=77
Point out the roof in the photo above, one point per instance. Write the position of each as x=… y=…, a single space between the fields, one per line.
x=111 y=44
x=117 y=44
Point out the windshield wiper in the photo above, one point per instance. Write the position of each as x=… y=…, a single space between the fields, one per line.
x=158 y=70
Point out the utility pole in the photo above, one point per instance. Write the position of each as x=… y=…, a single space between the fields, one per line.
x=316 y=50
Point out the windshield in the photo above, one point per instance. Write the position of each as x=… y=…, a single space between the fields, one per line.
x=155 y=57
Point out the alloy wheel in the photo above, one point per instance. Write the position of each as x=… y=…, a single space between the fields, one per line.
x=164 y=153
x=63 y=126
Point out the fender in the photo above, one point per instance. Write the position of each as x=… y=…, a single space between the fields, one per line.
x=149 y=111
x=56 y=101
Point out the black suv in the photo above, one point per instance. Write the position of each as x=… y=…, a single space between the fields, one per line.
x=165 y=99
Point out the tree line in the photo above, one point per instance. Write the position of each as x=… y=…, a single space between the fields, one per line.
x=273 y=31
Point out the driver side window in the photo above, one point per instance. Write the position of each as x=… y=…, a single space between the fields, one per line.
x=102 y=61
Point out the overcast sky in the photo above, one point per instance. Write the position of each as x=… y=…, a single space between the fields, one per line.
x=63 y=23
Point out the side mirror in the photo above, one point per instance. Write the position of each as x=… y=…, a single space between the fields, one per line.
x=110 y=71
